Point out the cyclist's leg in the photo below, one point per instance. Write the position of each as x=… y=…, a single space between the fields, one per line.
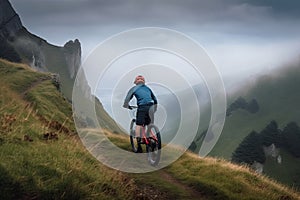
x=151 y=114
x=138 y=132
x=140 y=120
x=140 y=124
x=149 y=118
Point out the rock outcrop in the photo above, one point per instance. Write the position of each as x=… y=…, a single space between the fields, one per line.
x=10 y=22
x=17 y=44
x=72 y=50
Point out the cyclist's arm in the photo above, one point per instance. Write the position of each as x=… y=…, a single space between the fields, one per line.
x=128 y=98
x=153 y=97
x=154 y=101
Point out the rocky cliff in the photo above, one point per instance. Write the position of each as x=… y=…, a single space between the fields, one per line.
x=42 y=56
x=19 y=45
x=72 y=50
x=10 y=22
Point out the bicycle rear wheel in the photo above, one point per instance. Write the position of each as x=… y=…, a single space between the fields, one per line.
x=134 y=141
x=154 y=147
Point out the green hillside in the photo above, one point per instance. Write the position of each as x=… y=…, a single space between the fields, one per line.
x=47 y=57
x=278 y=97
x=42 y=157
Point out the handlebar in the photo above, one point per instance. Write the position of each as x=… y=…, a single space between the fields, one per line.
x=132 y=111
x=132 y=107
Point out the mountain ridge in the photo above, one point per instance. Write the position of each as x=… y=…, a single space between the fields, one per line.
x=19 y=45
x=278 y=98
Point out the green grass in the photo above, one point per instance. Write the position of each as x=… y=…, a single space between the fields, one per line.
x=105 y=120
x=38 y=91
x=46 y=98
x=64 y=169
x=278 y=96
x=236 y=127
x=54 y=57
x=47 y=169
x=288 y=172
x=278 y=100
x=210 y=178
x=19 y=77
x=219 y=179
x=59 y=173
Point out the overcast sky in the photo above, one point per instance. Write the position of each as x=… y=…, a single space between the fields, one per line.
x=243 y=37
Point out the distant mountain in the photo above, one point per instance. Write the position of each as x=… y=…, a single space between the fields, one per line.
x=278 y=97
x=19 y=45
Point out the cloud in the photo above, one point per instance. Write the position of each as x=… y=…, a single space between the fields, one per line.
x=216 y=15
x=287 y=9
x=234 y=32
x=130 y=11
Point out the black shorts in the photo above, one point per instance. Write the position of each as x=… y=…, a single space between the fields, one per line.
x=145 y=115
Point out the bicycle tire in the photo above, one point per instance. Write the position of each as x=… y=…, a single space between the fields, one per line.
x=153 y=149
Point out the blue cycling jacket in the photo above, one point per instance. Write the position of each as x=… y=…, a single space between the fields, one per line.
x=142 y=93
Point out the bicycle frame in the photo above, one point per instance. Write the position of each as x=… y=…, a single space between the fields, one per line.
x=150 y=137
x=145 y=138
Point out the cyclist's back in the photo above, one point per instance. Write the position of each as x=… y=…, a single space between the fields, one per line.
x=143 y=95
x=146 y=101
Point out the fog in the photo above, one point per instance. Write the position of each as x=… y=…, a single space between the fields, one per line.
x=243 y=38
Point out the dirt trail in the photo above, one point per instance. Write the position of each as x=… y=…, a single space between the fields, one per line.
x=192 y=192
x=150 y=188
x=33 y=84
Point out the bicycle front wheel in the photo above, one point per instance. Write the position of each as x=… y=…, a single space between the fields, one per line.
x=153 y=148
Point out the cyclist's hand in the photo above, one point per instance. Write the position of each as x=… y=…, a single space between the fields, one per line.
x=125 y=106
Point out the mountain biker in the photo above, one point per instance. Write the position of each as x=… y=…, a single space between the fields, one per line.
x=147 y=104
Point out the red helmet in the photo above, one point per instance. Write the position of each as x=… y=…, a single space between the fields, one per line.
x=139 y=79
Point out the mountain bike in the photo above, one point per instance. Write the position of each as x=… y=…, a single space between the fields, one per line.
x=150 y=136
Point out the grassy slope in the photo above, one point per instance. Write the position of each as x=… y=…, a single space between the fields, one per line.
x=46 y=168
x=105 y=120
x=54 y=58
x=210 y=178
x=280 y=172
x=278 y=97
x=63 y=169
